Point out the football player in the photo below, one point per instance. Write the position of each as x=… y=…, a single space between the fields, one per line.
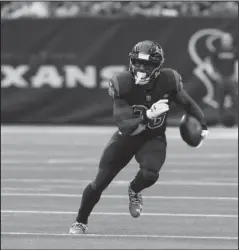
x=141 y=100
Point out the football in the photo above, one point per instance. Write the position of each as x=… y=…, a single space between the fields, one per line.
x=190 y=130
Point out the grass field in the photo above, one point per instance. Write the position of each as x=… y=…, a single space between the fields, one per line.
x=194 y=204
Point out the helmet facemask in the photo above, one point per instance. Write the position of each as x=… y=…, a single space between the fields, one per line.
x=146 y=60
x=143 y=70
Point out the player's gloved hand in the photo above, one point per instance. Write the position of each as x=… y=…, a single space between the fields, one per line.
x=157 y=109
x=204 y=134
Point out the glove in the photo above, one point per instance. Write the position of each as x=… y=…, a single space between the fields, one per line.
x=204 y=135
x=157 y=109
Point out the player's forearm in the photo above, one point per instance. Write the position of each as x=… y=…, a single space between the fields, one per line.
x=129 y=126
x=190 y=106
x=123 y=114
x=194 y=110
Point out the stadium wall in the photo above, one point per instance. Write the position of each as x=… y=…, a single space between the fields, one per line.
x=56 y=71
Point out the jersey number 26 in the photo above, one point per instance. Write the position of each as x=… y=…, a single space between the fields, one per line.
x=153 y=124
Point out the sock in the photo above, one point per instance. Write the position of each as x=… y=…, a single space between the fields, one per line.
x=89 y=199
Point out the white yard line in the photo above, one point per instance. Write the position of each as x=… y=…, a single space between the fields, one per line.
x=24 y=189
x=172 y=132
x=122 y=182
x=120 y=214
x=7 y=164
x=121 y=236
x=186 y=171
x=75 y=156
x=121 y=196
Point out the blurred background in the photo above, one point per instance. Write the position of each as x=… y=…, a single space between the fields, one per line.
x=56 y=62
x=49 y=9
x=57 y=57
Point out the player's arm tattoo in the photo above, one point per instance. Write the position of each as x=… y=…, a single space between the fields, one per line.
x=190 y=106
x=124 y=117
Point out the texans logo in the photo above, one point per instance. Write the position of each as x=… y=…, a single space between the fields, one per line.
x=200 y=45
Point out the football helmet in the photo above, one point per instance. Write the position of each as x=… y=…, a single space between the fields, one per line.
x=146 y=58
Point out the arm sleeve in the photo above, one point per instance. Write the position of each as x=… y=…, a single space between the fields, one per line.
x=124 y=118
x=190 y=106
x=177 y=80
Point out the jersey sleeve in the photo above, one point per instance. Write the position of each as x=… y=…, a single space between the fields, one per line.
x=178 y=80
x=114 y=88
x=123 y=113
x=172 y=80
x=124 y=118
x=119 y=85
x=190 y=106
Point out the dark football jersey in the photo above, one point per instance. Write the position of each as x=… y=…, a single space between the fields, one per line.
x=165 y=86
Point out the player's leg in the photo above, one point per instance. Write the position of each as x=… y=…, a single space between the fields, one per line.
x=231 y=103
x=117 y=154
x=220 y=97
x=228 y=101
x=151 y=157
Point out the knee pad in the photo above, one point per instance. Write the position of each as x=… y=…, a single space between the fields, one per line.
x=150 y=175
x=144 y=179
x=95 y=188
x=93 y=185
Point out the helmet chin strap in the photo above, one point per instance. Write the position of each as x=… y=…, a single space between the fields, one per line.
x=140 y=78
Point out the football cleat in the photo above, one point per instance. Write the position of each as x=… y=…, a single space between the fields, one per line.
x=135 y=203
x=78 y=228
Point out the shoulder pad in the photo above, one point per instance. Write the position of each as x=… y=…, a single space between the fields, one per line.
x=120 y=84
x=173 y=77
